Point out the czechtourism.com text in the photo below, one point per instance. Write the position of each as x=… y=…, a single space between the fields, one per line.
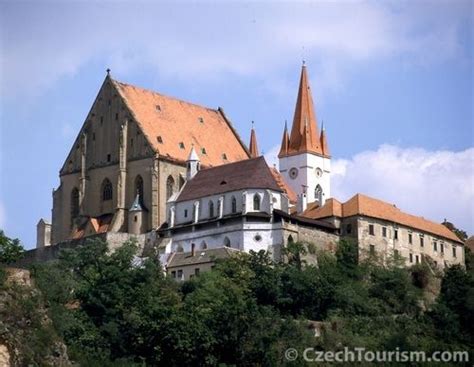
x=364 y=355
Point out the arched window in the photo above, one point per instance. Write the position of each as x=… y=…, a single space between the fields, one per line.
x=226 y=242
x=139 y=187
x=290 y=239
x=169 y=187
x=107 y=191
x=74 y=203
x=211 y=209
x=256 y=202
x=203 y=245
x=179 y=248
x=234 y=204
x=318 y=194
x=181 y=182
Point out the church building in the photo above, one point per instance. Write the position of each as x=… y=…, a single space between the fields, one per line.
x=149 y=167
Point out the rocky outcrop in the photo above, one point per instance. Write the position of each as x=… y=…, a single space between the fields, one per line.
x=27 y=335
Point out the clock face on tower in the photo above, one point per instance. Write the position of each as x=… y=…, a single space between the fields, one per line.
x=293 y=173
x=319 y=172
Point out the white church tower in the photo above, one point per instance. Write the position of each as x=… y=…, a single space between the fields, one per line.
x=304 y=158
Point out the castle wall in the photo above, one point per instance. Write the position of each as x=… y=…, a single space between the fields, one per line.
x=385 y=246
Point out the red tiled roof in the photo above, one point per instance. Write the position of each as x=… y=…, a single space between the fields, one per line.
x=94 y=224
x=366 y=206
x=250 y=173
x=304 y=135
x=176 y=122
x=284 y=186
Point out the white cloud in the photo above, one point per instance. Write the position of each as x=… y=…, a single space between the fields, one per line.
x=433 y=184
x=206 y=41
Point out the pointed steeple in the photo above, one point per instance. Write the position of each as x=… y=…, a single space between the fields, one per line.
x=304 y=115
x=285 y=143
x=253 y=148
x=323 y=141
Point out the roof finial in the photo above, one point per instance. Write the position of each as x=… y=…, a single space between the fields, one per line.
x=304 y=62
x=108 y=71
x=322 y=125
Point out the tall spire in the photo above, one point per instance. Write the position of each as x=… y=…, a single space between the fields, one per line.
x=304 y=115
x=253 y=144
x=285 y=142
x=323 y=141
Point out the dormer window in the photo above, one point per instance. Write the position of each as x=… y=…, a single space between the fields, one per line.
x=201 y=120
x=224 y=156
x=159 y=139
x=203 y=151
x=158 y=108
x=181 y=145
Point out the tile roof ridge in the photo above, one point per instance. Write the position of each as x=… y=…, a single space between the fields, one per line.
x=164 y=95
x=230 y=163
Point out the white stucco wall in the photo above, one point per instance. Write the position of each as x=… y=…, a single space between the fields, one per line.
x=307 y=164
x=244 y=236
x=269 y=200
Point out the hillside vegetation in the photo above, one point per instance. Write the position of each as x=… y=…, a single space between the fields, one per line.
x=112 y=310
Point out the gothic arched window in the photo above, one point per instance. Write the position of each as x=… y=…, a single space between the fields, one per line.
x=169 y=187
x=139 y=187
x=211 y=209
x=234 y=204
x=290 y=239
x=181 y=182
x=74 y=203
x=256 y=202
x=107 y=191
x=226 y=242
x=203 y=245
x=318 y=194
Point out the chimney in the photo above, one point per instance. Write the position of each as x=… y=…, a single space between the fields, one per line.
x=193 y=249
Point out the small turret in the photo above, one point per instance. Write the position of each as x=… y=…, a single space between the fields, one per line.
x=137 y=217
x=192 y=164
x=285 y=143
x=253 y=147
x=324 y=142
x=43 y=233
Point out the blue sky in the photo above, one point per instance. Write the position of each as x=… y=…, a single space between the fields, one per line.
x=393 y=82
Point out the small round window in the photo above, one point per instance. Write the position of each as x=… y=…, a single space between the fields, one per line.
x=293 y=173
x=257 y=238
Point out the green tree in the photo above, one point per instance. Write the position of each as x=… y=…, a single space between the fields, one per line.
x=459 y=232
x=11 y=250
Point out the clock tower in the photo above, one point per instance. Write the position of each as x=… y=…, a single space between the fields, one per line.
x=304 y=158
